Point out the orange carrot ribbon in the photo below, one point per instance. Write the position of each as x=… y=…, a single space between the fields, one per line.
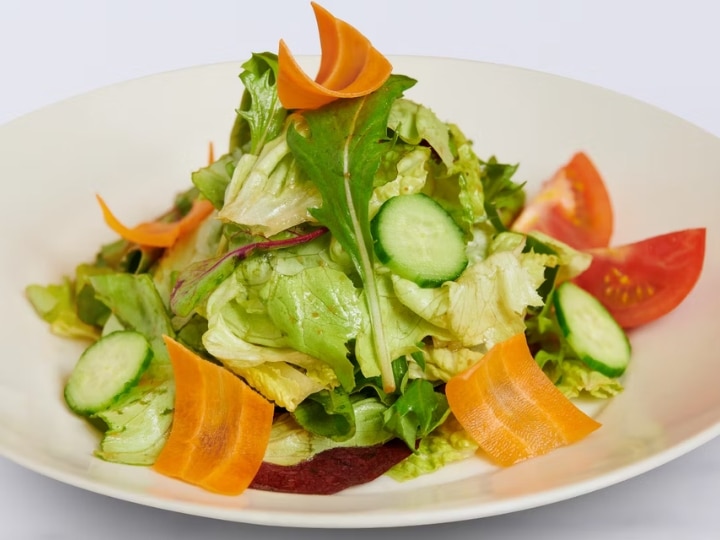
x=158 y=233
x=349 y=66
x=220 y=428
x=511 y=408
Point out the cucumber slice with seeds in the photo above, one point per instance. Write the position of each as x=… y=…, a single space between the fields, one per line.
x=591 y=331
x=418 y=240
x=106 y=371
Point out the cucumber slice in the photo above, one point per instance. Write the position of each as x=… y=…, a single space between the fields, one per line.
x=418 y=240
x=106 y=371
x=591 y=331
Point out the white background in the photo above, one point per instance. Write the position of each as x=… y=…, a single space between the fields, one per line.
x=663 y=52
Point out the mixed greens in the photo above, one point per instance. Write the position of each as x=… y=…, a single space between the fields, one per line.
x=287 y=285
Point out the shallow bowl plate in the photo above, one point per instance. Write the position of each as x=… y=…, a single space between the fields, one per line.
x=136 y=143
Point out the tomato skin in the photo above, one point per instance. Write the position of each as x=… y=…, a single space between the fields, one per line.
x=643 y=281
x=573 y=207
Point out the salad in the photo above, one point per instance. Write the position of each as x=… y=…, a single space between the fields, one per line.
x=349 y=291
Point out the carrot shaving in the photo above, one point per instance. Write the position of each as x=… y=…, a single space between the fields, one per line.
x=220 y=429
x=349 y=66
x=158 y=233
x=211 y=153
x=510 y=407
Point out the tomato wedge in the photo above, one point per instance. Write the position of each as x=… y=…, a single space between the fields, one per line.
x=573 y=206
x=645 y=280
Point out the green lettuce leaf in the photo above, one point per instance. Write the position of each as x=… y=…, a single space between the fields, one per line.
x=261 y=116
x=415 y=123
x=404 y=328
x=329 y=413
x=268 y=193
x=406 y=174
x=486 y=304
x=290 y=443
x=319 y=311
x=138 y=426
x=212 y=181
x=504 y=198
x=136 y=302
x=200 y=278
x=55 y=304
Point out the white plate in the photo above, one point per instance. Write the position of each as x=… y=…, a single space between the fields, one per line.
x=137 y=142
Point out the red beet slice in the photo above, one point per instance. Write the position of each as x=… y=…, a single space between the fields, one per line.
x=331 y=471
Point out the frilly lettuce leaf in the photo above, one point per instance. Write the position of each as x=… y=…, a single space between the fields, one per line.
x=445 y=360
x=138 y=426
x=212 y=181
x=571 y=262
x=415 y=123
x=260 y=116
x=574 y=378
x=247 y=322
x=409 y=174
x=269 y=193
x=486 y=304
x=264 y=113
x=280 y=382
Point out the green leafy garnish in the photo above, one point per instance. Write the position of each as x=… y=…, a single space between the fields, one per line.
x=343 y=169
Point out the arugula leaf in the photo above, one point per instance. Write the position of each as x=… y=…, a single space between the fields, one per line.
x=504 y=198
x=340 y=147
x=417 y=412
x=260 y=112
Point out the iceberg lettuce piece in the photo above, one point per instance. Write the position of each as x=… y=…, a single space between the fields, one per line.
x=283 y=375
x=486 y=304
x=139 y=425
x=268 y=193
x=575 y=379
x=445 y=360
x=411 y=175
x=571 y=262
x=415 y=123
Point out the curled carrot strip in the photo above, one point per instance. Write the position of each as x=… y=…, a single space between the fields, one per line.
x=349 y=66
x=158 y=233
x=220 y=428
x=510 y=407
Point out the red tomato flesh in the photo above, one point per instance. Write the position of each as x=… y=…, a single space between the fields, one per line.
x=645 y=280
x=573 y=207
